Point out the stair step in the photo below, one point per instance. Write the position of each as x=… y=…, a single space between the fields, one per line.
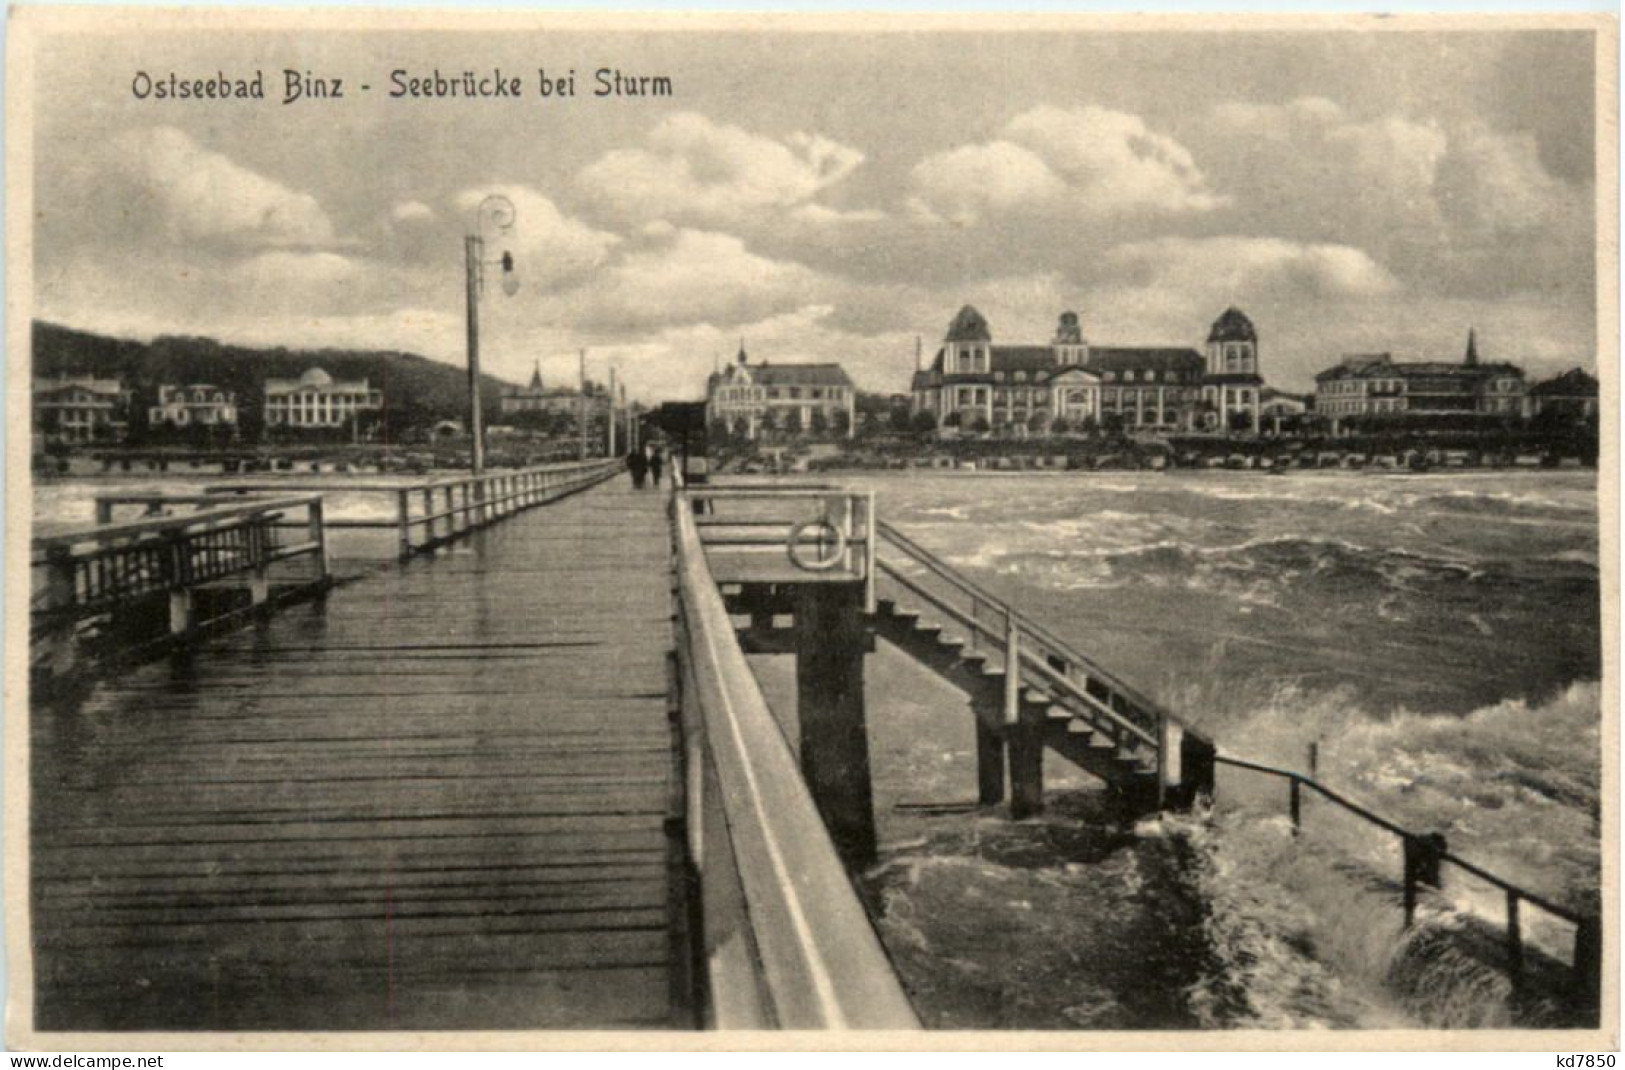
x=1061 y=715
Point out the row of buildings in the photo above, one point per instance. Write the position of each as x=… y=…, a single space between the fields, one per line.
x=85 y=409
x=81 y=409
x=974 y=384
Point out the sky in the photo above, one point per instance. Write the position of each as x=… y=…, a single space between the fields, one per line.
x=833 y=196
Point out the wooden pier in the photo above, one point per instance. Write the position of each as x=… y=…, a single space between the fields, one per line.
x=439 y=802
x=524 y=778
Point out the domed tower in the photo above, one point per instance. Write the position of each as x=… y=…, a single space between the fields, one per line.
x=1070 y=347
x=967 y=349
x=1232 y=344
x=1232 y=387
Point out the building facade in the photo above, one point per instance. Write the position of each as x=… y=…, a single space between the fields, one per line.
x=79 y=409
x=316 y=400
x=558 y=401
x=1367 y=386
x=797 y=398
x=1032 y=389
x=1571 y=396
x=195 y=405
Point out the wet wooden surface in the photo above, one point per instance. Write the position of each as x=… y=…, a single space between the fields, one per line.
x=435 y=803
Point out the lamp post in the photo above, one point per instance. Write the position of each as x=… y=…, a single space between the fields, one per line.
x=496 y=211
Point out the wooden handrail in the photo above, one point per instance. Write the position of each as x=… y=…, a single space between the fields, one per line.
x=1028 y=625
x=1053 y=678
x=201 y=520
x=820 y=963
x=1393 y=827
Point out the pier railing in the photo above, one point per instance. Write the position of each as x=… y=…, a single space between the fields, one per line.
x=430 y=513
x=786 y=532
x=1128 y=718
x=90 y=571
x=785 y=940
x=1424 y=855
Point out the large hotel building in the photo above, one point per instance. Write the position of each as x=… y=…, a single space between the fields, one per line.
x=1152 y=389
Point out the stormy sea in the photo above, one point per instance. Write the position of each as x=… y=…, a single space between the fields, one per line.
x=1436 y=636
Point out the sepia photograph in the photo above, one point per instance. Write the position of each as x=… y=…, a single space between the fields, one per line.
x=608 y=529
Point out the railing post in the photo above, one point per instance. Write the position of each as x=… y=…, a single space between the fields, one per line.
x=428 y=516
x=317 y=533
x=259 y=580
x=1423 y=855
x=61 y=586
x=1012 y=667
x=182 y=611
x=869 y=549
x=403 y=521
x=1514 y=941
x=104 y=511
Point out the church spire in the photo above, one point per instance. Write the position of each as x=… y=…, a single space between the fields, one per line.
x=741 y=349
x=1472 y=348
x=536 y=375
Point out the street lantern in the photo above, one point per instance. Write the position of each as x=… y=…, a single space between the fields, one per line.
x=497 y=213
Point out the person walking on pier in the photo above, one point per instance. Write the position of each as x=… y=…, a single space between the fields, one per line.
x=657 y=460
x=638 y=465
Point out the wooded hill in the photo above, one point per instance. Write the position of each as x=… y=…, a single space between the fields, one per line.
x=417 y=391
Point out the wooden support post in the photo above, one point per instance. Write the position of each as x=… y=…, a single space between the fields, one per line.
x=403 y=522
x=1296 y=805
x=104 y=511
x=428 y=515
x=989 y=765
x=1588 y=961
x=1423 y=857
x=830 y=640
x=1514 y=942
x=1024 y=745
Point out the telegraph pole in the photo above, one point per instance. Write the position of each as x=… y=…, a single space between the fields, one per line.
x=583 y=420
x=473 y=252
x=610 y=423
x=498 y=211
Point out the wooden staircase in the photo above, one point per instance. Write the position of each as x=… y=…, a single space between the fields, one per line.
x=1126 y=764
x=1060 y=700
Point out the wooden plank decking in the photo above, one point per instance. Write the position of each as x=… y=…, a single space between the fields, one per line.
x=435 y=803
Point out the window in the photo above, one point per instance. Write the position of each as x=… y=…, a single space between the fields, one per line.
x=998 y=377
x=1021 y=377
x=1110 y=377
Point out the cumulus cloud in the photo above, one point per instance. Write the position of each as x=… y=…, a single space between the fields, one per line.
x=692 y=169
x=1088 y=161
x=203 y=196
x=412 y=212
x=1213 y=268
x=548 y=246
x=1495 y=184
x=693 y=276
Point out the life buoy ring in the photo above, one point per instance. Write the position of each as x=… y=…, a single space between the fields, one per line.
x=827 y=532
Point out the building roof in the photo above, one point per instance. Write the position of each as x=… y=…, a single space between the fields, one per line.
x=1023 y=358
x=969 y=326
x=1145 y=358
x=1574 y=383
x=82 y=382
x=800 y=375
x=1232 y=326
x=1381 y=366
x=318 y=380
